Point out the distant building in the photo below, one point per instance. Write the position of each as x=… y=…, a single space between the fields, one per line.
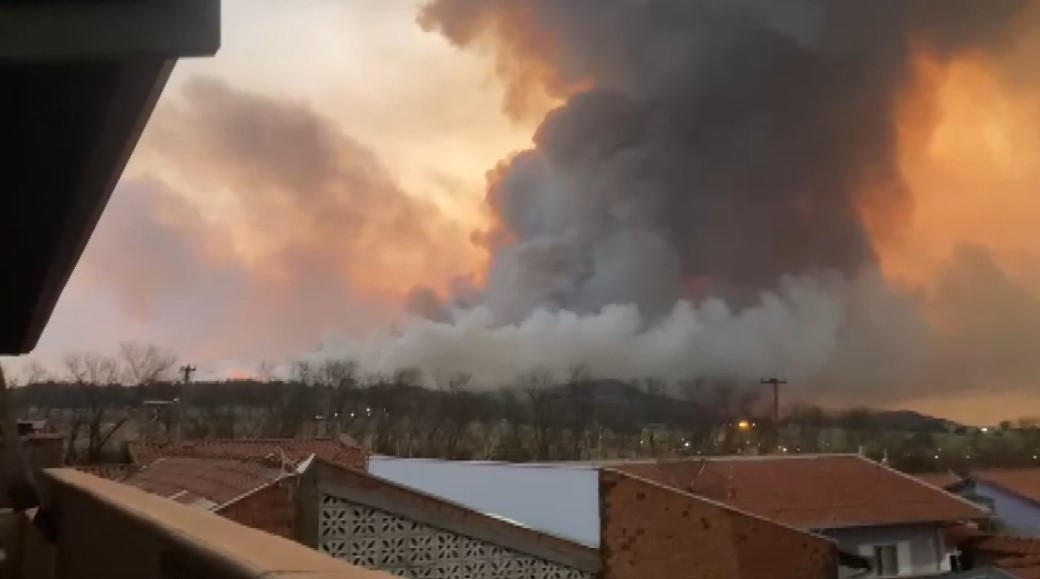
x=1013 y=493
x=987 y=555
x=351 y=515
x=481 y=520
x=340 y=451
x=891 y=518
x=641 y=526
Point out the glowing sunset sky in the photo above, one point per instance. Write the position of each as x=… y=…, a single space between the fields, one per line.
x=334 y=155
x=427 y=112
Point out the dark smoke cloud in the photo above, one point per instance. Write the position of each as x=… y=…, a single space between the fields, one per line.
x=991 y=324
x=727 y=141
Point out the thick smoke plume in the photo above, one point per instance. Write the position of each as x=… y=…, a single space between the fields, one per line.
x=698 y=205
x=723 y=145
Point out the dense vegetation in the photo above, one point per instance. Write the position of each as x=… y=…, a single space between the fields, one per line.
x=97 y=401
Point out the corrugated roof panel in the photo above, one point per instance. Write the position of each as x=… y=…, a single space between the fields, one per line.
x=558 y=500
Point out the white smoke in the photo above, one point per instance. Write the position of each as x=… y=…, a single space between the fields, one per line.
x=796 y=331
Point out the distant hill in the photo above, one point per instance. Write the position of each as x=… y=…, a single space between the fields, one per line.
x=909 y=421
x=631 y=401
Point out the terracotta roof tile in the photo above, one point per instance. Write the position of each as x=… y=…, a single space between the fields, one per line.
x=943 y=480
x=813 y=492
x=1019 y=556
x=203 y=482
x=111 y=471
x=340 y=452
x=957 y=535
x=1024 y=482
x=1020 y=567
x=653 y=530
x=1007 y=545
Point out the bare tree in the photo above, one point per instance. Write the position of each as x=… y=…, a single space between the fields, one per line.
x=265 y=371
x=5 y=371
x=94 y=376
x=303 y=372
x=145 y=363
x=339 y=377
x=538 y=386
x=459 y=409
x=35 y=373
x=581 y=403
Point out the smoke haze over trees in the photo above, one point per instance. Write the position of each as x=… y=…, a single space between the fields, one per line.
x=99 y=406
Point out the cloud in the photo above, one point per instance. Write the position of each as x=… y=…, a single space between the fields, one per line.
x=259 y=226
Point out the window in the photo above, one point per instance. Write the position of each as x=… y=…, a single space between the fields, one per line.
x=886 y=560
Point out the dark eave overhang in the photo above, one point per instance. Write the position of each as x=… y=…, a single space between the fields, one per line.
x=78 y=82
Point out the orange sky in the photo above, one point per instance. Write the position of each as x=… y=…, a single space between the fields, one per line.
x=430 y=122
x=419 y=121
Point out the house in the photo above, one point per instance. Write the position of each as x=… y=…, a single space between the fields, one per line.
x=868 y=509
x=1014 y=495
x=882 y=514
x=641 y=527
x=588 y=522
x=996 y=554
x=351 y=515
x=652 y=530
x=341 y=450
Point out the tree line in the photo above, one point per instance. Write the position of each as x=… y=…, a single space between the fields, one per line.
x=539 y=417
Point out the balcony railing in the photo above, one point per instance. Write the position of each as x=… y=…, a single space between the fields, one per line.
x=89 y=528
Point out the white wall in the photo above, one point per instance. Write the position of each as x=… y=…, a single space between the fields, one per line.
x=561 y=500
x=927 y=554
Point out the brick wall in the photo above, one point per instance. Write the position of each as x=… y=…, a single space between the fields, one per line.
x=269 y=509
x=648 y=530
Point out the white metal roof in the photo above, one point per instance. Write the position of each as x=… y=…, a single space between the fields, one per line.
x=561 y=500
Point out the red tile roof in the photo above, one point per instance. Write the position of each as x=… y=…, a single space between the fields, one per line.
x=204 y=482
x=653 y=530
x=943 y=480
x=812 y=492
x=111 y=471
x=339 y=452
x=1007 y=545
x=1024 y=482
x=1019 y=556
x=962 y=534
x=1020 y=567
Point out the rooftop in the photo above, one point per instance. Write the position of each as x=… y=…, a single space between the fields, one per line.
x=342 y=452
x=442 y=513
x=1024 y=482
x=655 y=530
x=1018 y=557
x=560 y=500
x=943 y=480
x=204 y=482
x=814 y=492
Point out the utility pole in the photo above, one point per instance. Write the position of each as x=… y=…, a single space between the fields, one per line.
x=187 y=370
x=776 y=382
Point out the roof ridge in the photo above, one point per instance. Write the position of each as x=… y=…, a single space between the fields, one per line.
x=932 y=488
